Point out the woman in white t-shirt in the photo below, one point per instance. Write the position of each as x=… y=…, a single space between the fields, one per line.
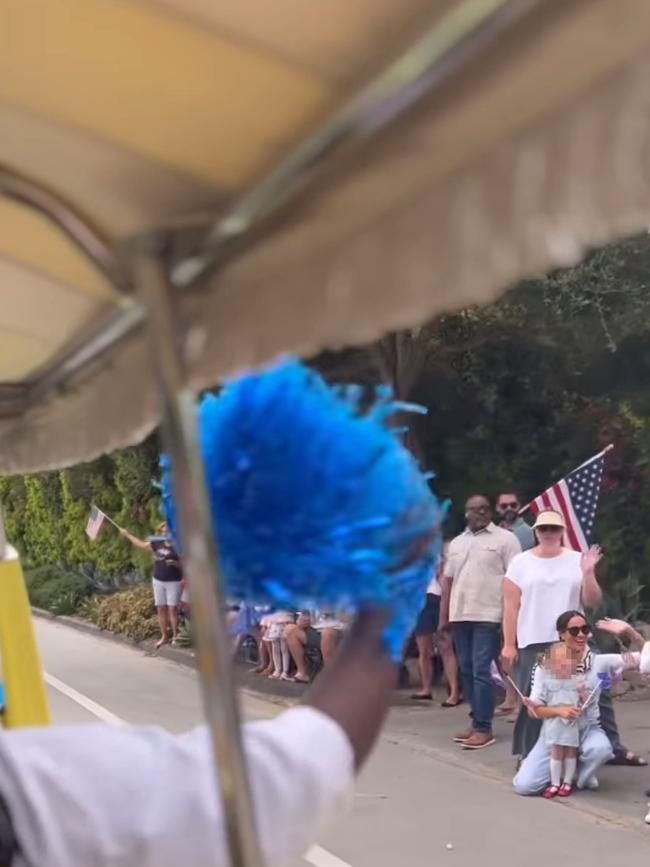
x=539 y=585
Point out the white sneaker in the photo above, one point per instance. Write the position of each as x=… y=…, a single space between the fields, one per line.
x=647 y=818
x=644 y=662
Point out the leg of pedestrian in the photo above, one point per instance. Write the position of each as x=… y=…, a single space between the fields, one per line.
x=450 y=666
x=463 y=635
x=595 y=750
x=296 y=641
x=534 y=775
x=485 y=647
x=425 y=664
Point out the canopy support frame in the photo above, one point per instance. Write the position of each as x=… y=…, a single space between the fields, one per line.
x=65 y=217
x=200 y=554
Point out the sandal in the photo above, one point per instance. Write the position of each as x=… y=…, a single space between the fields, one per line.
x=565 y=790
x=503 y=711
x=448 y=703
x=628 y=760
x=550 y=792
x=422 y=696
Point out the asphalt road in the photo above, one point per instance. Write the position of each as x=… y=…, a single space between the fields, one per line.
x=419 y=802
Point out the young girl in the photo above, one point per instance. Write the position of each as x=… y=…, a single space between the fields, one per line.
x=560 y=687
x=280 y=659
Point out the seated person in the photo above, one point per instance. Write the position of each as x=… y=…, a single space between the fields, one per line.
x=321 y=633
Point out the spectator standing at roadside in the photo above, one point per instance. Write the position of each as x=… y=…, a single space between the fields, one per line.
x=507 y=508
x=541 y=584
x=473 y=603
x=428 y=636
x=167 y=579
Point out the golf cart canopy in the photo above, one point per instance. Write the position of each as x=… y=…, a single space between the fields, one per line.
x=311 y=175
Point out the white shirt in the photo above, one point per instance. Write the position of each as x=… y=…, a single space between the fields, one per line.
x=549 y=586
x=85 y=796
x=434 y=586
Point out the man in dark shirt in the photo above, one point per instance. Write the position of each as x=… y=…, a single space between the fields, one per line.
x=167 y=578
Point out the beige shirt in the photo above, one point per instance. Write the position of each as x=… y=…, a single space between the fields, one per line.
x=476 y=564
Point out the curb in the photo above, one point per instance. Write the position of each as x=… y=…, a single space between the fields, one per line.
x=182 y=656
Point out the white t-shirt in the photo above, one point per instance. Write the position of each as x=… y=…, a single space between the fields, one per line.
x=93 y=794
x=434 y=586
x=549 y=586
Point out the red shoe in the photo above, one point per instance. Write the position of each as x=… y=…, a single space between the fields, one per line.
x=551 y=792
x=565 y=790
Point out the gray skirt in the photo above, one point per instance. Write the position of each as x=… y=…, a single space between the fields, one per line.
x=527 y=729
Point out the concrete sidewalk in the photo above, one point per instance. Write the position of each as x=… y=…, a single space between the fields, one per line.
x=429 y=729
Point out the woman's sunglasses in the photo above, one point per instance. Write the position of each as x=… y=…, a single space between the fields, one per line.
x=576 y=630
x=550 y=529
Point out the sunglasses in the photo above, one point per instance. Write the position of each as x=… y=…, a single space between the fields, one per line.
x=514 y=505
x=575 y=631
x=550 y=529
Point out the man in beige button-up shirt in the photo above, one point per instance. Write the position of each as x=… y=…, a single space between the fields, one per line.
x=473 y=603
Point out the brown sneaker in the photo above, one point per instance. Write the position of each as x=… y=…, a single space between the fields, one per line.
x=478 y=741
x=463 y=736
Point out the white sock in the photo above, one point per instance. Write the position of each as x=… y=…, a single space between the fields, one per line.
x=556 y=772
x=570 y=767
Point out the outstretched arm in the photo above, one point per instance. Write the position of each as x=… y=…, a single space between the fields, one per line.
x=137 y=543
x=591 y=592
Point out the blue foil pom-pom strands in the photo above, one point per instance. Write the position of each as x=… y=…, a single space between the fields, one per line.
x=316 y=504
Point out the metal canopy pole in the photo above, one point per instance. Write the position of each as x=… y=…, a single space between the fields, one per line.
x=199 y=554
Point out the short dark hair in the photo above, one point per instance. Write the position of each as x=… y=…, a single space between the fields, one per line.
x=505 y=491
x=482 y=496
x=566 y=617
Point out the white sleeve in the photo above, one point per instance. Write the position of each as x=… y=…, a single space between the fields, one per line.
x=538 y=691
x=513 y=568
x=612 y=663
x=94 y=794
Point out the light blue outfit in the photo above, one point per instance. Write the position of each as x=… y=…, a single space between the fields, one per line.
x=595 y=749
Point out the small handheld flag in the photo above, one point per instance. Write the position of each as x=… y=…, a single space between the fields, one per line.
x=95 y=523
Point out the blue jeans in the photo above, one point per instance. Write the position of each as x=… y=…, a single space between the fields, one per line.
x=477 y=645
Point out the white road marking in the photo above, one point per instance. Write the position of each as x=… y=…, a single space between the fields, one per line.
x=317 y=856
x=88 y=704
x=320 y=857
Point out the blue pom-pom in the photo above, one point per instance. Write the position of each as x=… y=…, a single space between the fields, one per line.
x=316 y=504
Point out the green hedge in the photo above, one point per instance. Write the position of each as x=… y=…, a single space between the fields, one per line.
x=46 y=513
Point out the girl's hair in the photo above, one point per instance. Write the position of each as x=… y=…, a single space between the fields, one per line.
x=565 y=618
x=543 y=659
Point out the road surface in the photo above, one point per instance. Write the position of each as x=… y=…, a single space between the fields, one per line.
x=416 y=805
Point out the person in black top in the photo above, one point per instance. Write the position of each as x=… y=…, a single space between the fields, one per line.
x=167 y=578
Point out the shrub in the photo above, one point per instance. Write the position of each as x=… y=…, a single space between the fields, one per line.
x=89 y=609
x=57 y=591
x=131 y=613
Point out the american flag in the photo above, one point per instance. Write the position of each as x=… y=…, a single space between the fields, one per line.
x=95 y=522
x=576 y=498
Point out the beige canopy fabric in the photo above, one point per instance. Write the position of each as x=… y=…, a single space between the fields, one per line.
x=141 y=114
